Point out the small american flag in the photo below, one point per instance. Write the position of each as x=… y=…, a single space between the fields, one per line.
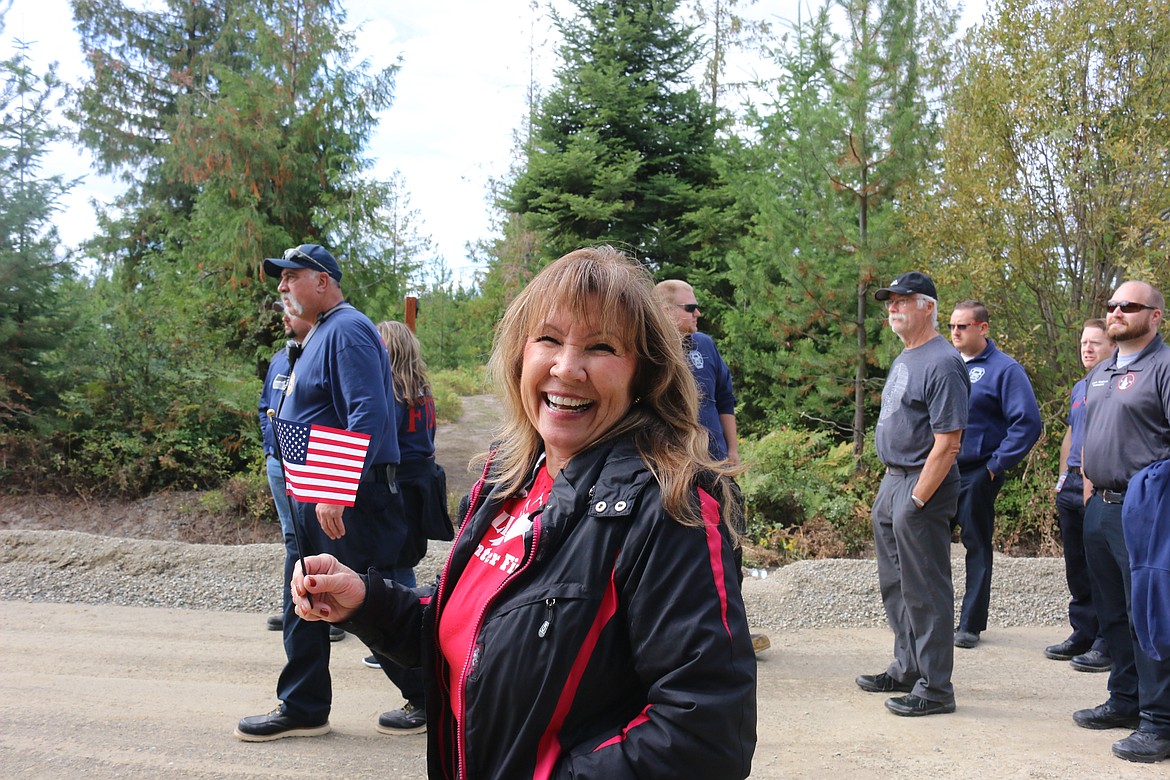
x=321 y=465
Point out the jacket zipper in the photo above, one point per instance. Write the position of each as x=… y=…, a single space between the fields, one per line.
x=547 y=624
x=440 y=592
x=460 y=728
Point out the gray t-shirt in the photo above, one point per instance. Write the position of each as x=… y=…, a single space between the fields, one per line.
x=926 y=393
x=1127 y=416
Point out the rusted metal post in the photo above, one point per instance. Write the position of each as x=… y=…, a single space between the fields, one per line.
x=411 y=312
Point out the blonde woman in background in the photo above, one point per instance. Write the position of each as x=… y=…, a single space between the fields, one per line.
x=423 y=486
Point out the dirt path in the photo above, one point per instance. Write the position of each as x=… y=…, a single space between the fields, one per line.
x=121 y=692
x=458 y=442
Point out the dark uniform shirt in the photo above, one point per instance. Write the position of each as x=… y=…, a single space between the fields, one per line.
x=1127 y=416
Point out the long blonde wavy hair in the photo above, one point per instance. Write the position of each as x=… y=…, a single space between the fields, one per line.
x=604 y=285
x=406 y=362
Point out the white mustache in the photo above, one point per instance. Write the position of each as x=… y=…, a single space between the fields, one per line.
x=292 y=306
x=897 y=317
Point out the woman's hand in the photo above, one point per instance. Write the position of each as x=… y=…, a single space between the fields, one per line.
x=336 y=590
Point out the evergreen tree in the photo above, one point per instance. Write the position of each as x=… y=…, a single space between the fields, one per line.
x=240 y=129
x=382 y=236
x=33 y=320
x=622 y=146
x=725 y=31
x=848 y=133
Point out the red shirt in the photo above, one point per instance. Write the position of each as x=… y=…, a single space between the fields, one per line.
x=496 y=559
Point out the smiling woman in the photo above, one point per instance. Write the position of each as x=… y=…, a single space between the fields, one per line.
x=592 y=586
x=608 y=300
x=574 y=384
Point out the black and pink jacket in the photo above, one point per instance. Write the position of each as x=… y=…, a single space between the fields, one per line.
x=620 y=648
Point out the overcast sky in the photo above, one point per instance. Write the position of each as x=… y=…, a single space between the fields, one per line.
x=460 y=98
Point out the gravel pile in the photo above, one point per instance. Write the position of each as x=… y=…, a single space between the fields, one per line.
x=67 y=566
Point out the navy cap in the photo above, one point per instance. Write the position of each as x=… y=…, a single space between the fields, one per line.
x=312 y=256
x=909 y=283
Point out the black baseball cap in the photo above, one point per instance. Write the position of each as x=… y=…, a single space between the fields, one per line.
x=312 y=256
x=909 y=283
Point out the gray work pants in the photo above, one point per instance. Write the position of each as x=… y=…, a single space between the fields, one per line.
x=914 y=571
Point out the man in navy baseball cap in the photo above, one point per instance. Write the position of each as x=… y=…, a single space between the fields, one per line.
x=311 y=256
x=909 y=283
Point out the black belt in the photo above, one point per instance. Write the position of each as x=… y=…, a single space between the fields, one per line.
x=1074 y=470
x=382 y=473
x=1110 y=496
x=898 y=471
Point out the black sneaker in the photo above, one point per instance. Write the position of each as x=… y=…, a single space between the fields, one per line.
x=1143 y=746
x=277 y=725
x=408 y=720
x=1065 y=651
x=882 y=683
x=336 y=634
x=275 y=622
x=1092 y=661
x=913 y=706
x=1106 y=716
x=372 y=662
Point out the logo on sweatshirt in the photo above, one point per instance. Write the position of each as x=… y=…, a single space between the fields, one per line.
x=1127 y=381
x=976 y=374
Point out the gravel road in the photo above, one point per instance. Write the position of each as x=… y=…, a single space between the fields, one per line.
x=132 y=658
x=64 y=566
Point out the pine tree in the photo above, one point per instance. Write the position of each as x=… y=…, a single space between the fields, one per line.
x=848 y=132
x=33 y=321
x=622 y=145
x=240 y=129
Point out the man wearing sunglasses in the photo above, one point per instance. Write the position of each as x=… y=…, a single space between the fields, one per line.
x=341 y=380
x=716 y=396
x=1127 y=427
x=1003 y=422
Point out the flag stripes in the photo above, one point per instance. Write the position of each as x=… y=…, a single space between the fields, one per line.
x=321 y=465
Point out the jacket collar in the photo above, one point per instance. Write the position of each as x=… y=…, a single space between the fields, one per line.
x=986 y=353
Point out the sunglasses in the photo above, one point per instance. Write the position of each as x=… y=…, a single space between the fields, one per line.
x=298 y=255
x=1129 y=307
x=958 y=327
x=689 y=308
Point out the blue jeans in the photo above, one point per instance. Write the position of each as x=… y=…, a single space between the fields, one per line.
x=374 y=532
x=284 y=512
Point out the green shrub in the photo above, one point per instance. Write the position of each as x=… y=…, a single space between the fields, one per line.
x=803 y=498
x=1025 y=512
x=448 y=403
x=244 y=497
x=469 y=380
x=450 y=384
